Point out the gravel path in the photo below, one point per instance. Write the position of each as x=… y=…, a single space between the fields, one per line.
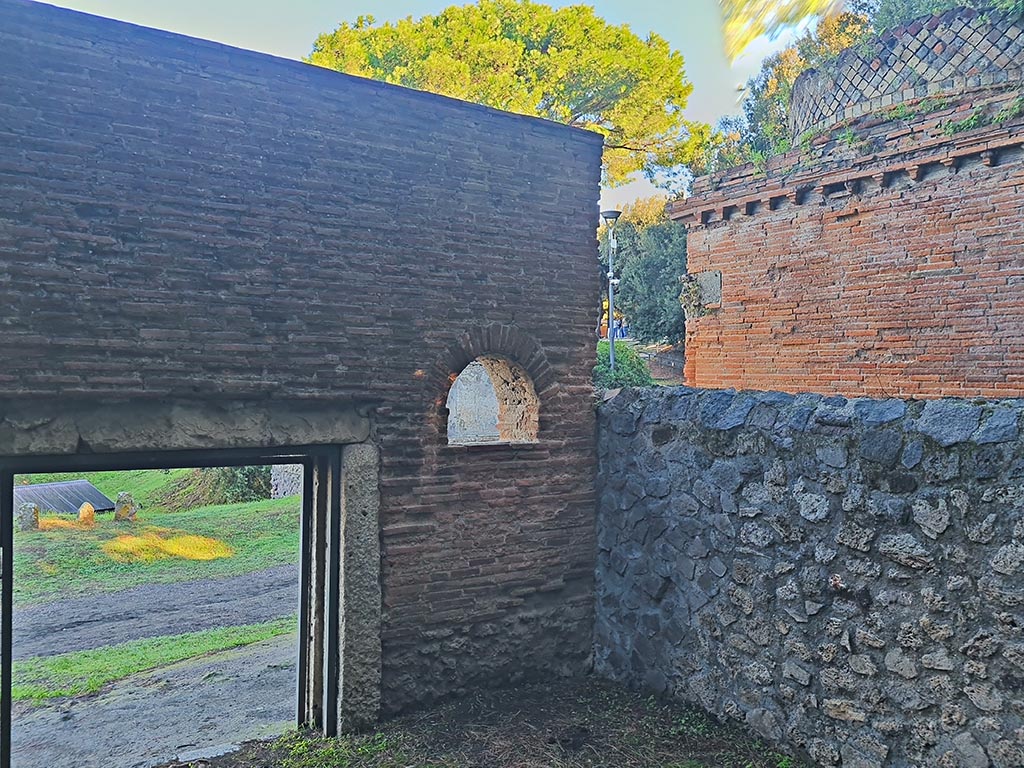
x=176 y=712
x=155 y=609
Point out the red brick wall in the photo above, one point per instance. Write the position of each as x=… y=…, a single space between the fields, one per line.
x=892 y=271
x=180 y=219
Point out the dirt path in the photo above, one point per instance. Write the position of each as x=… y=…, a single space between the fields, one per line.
x=172 y=713
x=155 y=609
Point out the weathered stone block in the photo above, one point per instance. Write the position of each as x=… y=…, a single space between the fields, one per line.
x=949 y=422
x=881 y=446
x=999 y=427
x=933 y=519
x=905 y=550
x=125 y=508
x=87 y=514
x=27 y=516
x=1009 y=559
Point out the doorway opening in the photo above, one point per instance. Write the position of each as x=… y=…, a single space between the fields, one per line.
x=157 y=606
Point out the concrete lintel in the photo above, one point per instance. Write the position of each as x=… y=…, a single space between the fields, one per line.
x=42 y=428
x=360 y=614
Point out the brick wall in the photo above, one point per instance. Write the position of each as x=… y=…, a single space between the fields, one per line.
x=184 y=220
x=959 y=50
x=883 y=257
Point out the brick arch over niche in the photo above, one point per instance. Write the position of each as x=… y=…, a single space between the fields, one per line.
x=495 y=346
x=492 y=401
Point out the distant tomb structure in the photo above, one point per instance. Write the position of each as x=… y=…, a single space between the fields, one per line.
x=882 y=255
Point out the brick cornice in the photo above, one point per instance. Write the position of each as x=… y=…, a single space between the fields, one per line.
x=744 y=191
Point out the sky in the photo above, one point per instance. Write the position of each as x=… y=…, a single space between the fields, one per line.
x=287 y=28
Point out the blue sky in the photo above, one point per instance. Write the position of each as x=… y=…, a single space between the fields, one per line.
x=288 y=27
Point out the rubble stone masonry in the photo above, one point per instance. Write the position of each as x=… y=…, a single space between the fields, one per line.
x=844 y=575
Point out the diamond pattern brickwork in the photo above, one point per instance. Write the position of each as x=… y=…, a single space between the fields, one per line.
x=954 y=51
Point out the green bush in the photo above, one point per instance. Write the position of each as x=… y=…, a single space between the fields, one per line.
x=217 y=485
x=239 y=484
x=630 y=369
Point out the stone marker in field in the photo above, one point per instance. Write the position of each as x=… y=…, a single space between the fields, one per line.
x=125 y=508
x=28 y=516
x=87 y=514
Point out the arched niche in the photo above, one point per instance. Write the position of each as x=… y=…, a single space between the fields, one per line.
x=492 y=401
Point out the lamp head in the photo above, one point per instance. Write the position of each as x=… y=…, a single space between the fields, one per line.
x=610 y=217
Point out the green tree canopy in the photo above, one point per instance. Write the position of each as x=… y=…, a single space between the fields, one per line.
x=886 y=14
x=651 y=259
x=766 y=105
x=564 y=64
x=743 y=21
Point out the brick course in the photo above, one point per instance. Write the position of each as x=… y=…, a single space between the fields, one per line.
x=181 y=219
x=883 y=258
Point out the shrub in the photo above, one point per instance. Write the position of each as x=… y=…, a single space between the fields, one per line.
x=630 y=369
x=217 y=485
x=238 y=484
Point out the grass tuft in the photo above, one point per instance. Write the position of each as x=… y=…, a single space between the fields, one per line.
x=83 y=672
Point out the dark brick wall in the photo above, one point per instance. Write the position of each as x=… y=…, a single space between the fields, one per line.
x=183 y=219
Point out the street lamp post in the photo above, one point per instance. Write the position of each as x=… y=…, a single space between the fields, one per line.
x=610 y=217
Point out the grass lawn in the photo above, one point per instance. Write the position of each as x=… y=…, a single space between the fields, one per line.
x=570 y=724
x=83 y=672
x=203 y=543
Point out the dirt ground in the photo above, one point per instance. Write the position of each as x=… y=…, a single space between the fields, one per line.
x=155 y=609
x=583 y=724
x=194 y=706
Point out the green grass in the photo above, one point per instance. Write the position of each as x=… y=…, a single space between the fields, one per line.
x=58 y=564
x=84 y=672
x=1011 y=111
x=147 y=486
x=631 y=370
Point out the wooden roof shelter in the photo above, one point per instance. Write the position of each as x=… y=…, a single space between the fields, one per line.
x=65 y=497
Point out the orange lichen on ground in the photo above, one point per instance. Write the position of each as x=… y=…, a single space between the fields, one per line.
x=155 y=544
x=62 y=524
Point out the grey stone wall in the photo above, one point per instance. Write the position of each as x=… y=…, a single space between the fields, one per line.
x=843 y=575
x=285 y=480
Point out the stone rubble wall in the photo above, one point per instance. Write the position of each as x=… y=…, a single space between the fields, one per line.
x=285 y=480
x=845 y=575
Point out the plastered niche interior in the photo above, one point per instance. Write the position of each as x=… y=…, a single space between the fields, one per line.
x=493 y=400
